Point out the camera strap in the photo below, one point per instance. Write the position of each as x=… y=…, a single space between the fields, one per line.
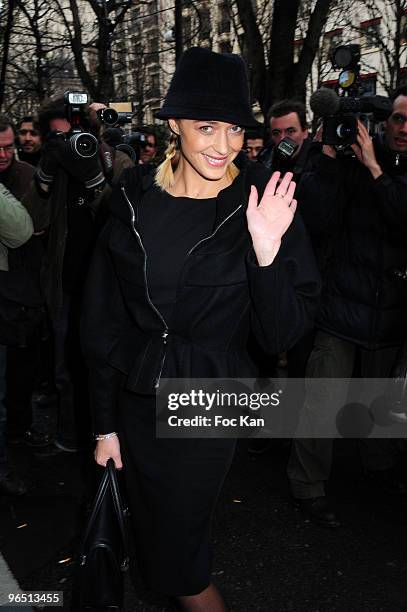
x=107 y=158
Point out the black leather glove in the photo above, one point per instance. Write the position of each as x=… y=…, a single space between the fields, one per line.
x=49 y=162
x=86 y=170
x=58 y=153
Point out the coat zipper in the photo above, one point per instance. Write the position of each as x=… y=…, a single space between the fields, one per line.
x=214 y=231
x=165 y=333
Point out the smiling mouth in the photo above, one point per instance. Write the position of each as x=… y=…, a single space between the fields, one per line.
x=216 y=162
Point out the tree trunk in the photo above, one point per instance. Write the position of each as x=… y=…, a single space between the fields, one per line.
x=105 y=84
x=254 y=49
x=6 y=46
x=281 y=53
x=283 y=78
x=310 y=47
x=76 y=44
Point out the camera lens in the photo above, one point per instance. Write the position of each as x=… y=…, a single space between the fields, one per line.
x=84 y=145
x=345 y=130
x=108 y=116
x=128 y=150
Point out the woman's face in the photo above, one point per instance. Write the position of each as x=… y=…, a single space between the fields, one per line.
x=208 y=147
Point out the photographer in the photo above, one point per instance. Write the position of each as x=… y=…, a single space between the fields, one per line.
x=77 y=188
x=357 y=206
x=150 y=149
x=290 y=148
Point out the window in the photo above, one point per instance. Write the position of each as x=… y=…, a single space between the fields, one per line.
x=369 y=83
x=154 y=111
x=370 y=34
x=332 y=40
x=155 y=85
x=122 y=87
x=152 y=44
x=224 y=19
x=403 y=28
x=134 y=20
x=205 y=16
x=186 y=28
x=225 y=47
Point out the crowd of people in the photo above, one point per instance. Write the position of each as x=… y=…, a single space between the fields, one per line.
x=55 y=207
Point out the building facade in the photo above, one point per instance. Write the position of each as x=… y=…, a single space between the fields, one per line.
x=378 y=26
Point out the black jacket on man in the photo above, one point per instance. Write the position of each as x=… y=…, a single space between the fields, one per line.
x=26 y=259
x=69 y=214
x=361 y=224
x=302 y=162
x=222 y=292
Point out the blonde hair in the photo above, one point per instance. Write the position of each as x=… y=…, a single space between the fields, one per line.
x=164 y=177
x=232 y=171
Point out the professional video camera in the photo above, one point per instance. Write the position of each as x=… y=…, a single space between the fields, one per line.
x=341 y=112
x=82 y=143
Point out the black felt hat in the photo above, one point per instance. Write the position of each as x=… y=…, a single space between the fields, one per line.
x=211 y=87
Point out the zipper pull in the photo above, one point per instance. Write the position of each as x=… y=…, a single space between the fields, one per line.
x=397 y=159
x=164 y=336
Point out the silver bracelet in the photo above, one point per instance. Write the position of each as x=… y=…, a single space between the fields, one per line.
x=106 y=436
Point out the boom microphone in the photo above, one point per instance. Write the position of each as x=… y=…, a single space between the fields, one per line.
x=324 y=102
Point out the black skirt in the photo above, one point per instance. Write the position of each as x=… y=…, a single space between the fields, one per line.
x=172 y=487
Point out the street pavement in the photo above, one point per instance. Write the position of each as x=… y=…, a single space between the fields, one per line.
x=268 y=557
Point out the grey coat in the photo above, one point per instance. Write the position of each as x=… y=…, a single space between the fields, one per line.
x=16 y=226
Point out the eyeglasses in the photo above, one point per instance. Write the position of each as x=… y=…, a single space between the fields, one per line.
x=25 y=132
x=7 y=149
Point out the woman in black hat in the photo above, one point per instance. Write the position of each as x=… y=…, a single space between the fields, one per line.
x=188 y=262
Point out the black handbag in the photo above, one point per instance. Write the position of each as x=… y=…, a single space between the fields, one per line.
x=104 y=557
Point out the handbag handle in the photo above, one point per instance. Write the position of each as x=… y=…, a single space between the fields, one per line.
x=109 y=480
x=121 y=511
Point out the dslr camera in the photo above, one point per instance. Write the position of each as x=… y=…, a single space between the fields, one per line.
x=131 y=144
x=279 y=154
x=341 y=112
x=117 y=114
x=285 y=149
x=83 y=144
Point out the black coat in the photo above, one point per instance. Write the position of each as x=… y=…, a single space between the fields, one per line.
x=221 y=293
x=360 y=224
x=303 y=162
